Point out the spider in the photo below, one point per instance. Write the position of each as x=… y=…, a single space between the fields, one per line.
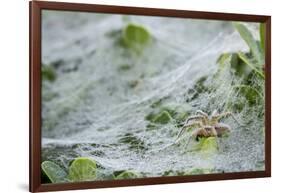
x=207 y=126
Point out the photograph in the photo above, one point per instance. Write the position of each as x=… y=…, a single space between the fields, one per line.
x=128 y=96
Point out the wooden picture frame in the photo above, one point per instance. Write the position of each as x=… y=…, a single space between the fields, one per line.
x=36 y=8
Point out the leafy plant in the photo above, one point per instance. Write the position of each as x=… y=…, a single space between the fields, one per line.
x=128 y=174
x=255 y=46
x=245 y=63
x=48 y=73
x=54 y=172
x=208 y=145
x=198 y=171
x=198 y=88
x=262 y=36
x=133 y=142
x=247 y=60
x=163 y=117
x=81 y=169
x=135 y=36
x=165 y=112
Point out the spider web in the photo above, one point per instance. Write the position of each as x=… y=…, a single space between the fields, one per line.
x=98 y=110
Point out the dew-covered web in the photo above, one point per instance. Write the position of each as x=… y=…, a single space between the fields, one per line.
x=97 y=106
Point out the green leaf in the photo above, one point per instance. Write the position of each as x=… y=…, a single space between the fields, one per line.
x=135 y=36
x=127 y=175
x=207 y=146
x=250 y=93
x=247 y=61
x=239 y=66
x=177 y=111
x=198 y=171
x=262 y=36
x=134 y=142
x=48 y=73
x=247 y=87
x=249 y=39
x=124 y=67
x=162 y=118
x=236 y=63
x=54 y=172
x=104 y=175
x=222 y=59
x=82 y=169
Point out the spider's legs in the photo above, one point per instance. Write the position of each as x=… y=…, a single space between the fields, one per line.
x=186 y=126
x=214 y=132
x=195 y=134
x=194 y=117
x=214 y=113
x=202 y=113
x=202 y=132
x=227 y=114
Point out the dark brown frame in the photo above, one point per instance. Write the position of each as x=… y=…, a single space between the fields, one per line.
x=35 y=8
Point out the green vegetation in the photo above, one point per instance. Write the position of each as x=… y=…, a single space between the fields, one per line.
x=54 y=172
x=255 y=46
x=163 y=113
x=207 y=146
x=198 y=88
x=246 y=63
x=133 y=141
x=163 y=117
x=249 y=66
x=194 y=171
x=198 y=171
x=81 y=169
x=135 y=37
x=127 y=175
x=48 y=73
x=262 y=36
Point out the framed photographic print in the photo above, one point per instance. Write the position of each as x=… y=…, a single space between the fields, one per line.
x=123 y=96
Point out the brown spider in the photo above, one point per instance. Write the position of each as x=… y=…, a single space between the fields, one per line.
x=207 y=126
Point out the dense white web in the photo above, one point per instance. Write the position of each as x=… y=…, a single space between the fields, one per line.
x=98 y=110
